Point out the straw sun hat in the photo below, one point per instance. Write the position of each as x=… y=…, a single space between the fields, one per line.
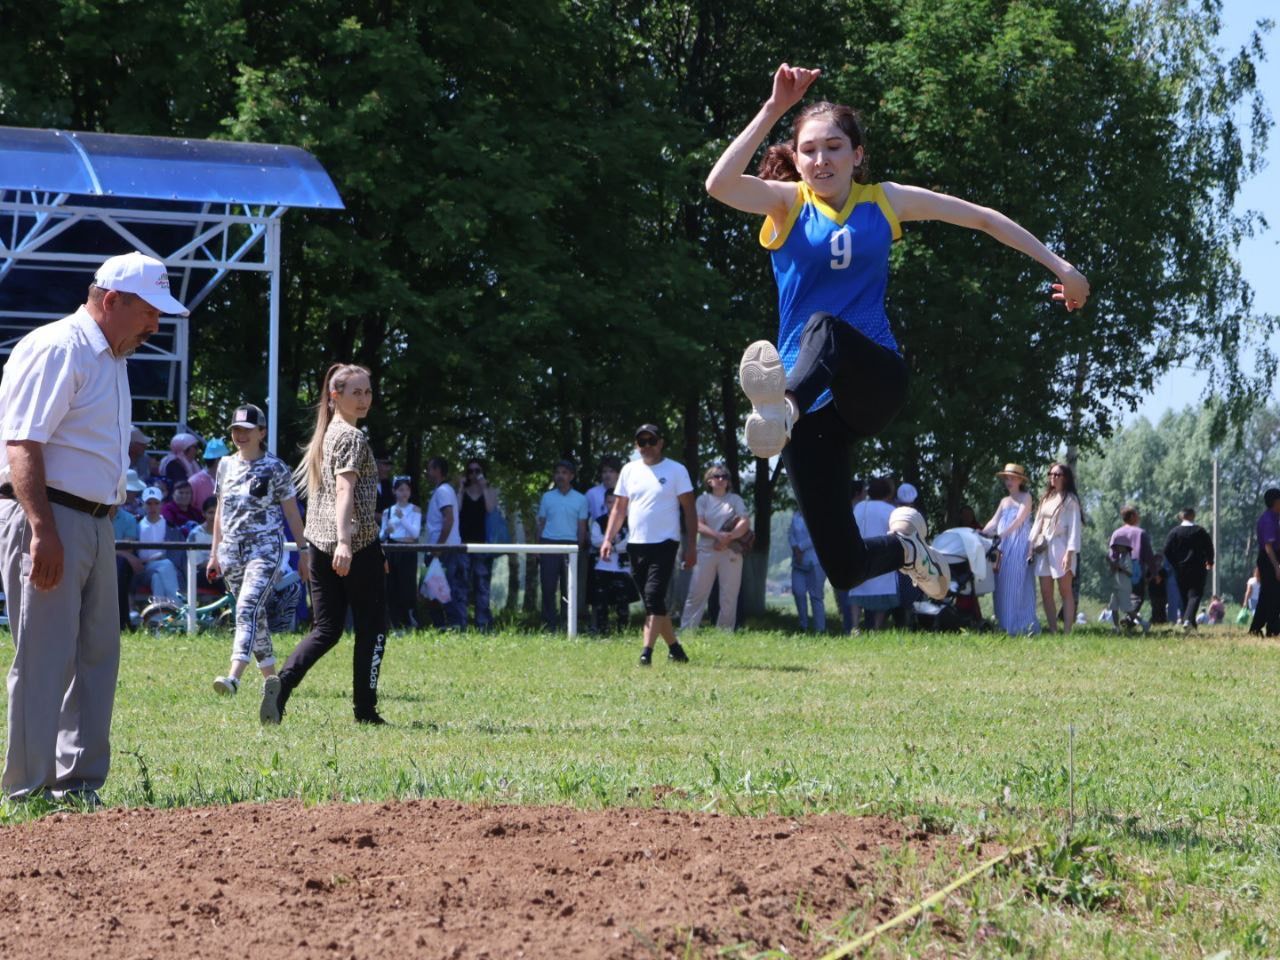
x=1015 y=470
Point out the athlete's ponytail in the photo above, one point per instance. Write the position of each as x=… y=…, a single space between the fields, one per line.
x=779 y=163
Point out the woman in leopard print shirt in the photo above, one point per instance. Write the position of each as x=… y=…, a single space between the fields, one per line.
x=347 y=565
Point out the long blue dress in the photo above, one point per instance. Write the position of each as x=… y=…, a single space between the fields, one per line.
x=1015 y=599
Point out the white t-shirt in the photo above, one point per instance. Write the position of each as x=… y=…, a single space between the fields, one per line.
x=653 y=505
x=873 y=521
x=445 y=496
x=151 y=533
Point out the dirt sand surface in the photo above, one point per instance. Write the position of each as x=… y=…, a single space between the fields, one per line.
x=436 y=879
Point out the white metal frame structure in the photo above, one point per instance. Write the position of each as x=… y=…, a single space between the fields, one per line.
x=216 y=206
x=29 y=220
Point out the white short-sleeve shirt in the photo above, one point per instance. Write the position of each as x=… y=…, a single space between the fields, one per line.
x=65 y=389
x=443 y=497
x=653 y=505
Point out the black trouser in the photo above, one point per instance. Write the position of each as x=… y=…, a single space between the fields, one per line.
x=1159 y=600
x=124 y=586
x=363 y=590
x=869 y=386
x=402 y=588
x=1267 y=617
x=1191 y=586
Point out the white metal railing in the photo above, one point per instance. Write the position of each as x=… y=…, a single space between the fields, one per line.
x=568 y=549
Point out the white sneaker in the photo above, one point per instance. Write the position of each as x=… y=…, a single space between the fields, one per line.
x=773 y=412
x=227 y=686
x=927 y=570
x=269 y=708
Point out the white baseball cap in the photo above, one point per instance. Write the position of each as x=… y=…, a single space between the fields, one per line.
x=152 y=493
x=142 y=275
x=907 y=493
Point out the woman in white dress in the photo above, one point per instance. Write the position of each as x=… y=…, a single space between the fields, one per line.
x=1055 y=545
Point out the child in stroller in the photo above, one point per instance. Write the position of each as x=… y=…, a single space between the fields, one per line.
x=972 y=558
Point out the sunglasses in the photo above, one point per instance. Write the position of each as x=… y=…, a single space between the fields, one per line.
x=646 y=441
x=1056 y=473
x=718 y=476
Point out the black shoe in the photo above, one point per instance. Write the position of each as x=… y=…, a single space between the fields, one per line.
x=370 y=717
x=676 y=654
x=646 y=657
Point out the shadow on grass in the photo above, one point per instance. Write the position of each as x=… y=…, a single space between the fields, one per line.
x=769 y=667
x=1176 y=838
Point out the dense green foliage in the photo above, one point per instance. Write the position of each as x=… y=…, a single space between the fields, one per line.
x=530 y=266
x=1175 y=757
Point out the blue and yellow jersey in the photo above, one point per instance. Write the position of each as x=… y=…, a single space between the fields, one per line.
x=836 y=261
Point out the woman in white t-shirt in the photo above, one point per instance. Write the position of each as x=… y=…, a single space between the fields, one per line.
x=722 y=523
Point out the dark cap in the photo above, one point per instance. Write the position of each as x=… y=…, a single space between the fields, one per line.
x=650 y=428
x=248 y=415
x=568 y=465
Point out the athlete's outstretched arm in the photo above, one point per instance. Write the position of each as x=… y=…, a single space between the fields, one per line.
x=916 y=203
x=729 y=182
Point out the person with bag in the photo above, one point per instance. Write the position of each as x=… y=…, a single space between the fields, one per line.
x=724 y=526
x=1054 y=547
x=347 y=566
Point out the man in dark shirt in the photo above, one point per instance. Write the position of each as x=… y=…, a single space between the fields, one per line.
x=1189 y=550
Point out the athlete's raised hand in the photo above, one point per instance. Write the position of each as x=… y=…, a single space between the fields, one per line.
x=1073 y=291
x=790 y=84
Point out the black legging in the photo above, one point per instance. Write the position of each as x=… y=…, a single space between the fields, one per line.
x=869 y=386
x=1267 y=617
x=363 y=590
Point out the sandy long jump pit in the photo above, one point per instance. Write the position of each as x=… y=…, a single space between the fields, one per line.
x=439 y=879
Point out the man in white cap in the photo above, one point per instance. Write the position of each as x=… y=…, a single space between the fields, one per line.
x=64 y=449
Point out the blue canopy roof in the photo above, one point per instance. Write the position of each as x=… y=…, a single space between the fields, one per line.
x=163 y=168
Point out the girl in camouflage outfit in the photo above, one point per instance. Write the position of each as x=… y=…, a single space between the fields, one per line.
x=253 y=487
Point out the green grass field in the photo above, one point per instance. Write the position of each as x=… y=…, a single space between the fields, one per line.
x=1176 y=846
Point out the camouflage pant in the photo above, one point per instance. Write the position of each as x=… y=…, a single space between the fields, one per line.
x=249 y=569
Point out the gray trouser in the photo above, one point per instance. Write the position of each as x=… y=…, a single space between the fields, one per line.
x=62 y=684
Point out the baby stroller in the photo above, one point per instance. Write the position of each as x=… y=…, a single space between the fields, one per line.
x=972 y=559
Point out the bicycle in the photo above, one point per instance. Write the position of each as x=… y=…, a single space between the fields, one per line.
x=163 y=615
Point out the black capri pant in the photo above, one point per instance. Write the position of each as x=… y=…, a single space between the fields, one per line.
x=869 y=385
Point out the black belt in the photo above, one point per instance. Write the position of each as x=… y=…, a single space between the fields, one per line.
x=63 y=498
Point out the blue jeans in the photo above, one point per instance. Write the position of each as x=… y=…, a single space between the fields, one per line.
x=808 y=586
x=164 y=578
x=455 y=571
x=479 y=567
